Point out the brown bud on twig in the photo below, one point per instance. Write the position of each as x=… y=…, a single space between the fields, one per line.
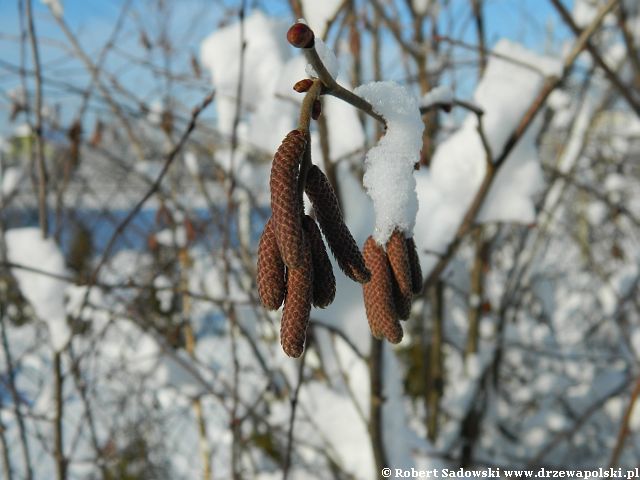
x=342 y=244
x=300 y=35
x=316 y=109
x=270 y=270
x=324 y=283
x=378 y=296
x=285 y=204
x=303 y=85
x=414 y=264
x=402 y=283
x=297 y=305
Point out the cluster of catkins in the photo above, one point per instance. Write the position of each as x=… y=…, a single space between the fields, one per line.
x=293 y=265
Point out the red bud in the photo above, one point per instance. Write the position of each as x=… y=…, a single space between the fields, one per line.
x=300 y=36
x=303 y=85
x=316 y=110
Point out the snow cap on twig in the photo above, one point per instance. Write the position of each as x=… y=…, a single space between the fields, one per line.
x=389 y=165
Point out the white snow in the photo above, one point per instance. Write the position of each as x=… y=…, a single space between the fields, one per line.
x=264 y=56
x=191 y=162
x=346 y=134
x=55 y=6
x=22 y=130
x=11 y=178
x=438 y=95
x=446 y=189
x=421 y=6
x=328 y=59
x=25 y=246
x=318 y=13
x=389 y=165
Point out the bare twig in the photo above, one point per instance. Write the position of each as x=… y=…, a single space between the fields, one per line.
x=58 y=438
x=376 y=403
x=15 y=396
x=4 y=448
x=493 y=166
x=435 y=364
x=335 y=89
x=292 y=416
x=456 y=102
x=42 y=169
x=170 y=157
x=625 y=91
x=476 y=6
x=624 y=426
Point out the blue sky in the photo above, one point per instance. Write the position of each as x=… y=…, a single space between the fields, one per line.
x=189 y=21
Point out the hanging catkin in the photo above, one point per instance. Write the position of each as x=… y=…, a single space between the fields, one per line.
x=270 y=271
x=414 y=264
x=297 y=304
x=285 y=204
x=402 y=284
x=324 y=283
x=378 y=296
x=341 y=243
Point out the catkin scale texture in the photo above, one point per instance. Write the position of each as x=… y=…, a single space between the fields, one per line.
x=270 y=269
x=378 y=294
x=297 y=305
x=285 y=205
x=402 y=283
x=340 y=240
x=324 y=282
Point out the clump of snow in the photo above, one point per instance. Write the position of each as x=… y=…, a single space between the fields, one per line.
x=346 y=134
x=25 y=246
x=389 y=165
x=22 y=130
x=328 y=59
x=11 y=178
x=318 y=14
x=585 y=11
x=191 y=162
x=559 y=100
x=263 y=58
x=421 y=6
x=442 y=95
x=55 y=6
x=446 y=189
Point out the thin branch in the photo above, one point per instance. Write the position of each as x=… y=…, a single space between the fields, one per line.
x=58 y=438
x=624 y=426
x=472 y=107
x=634 y=54
x=15 y=396
x=4 y=448
x=334 y=89
x=42 y=169
x=624 y=90
x=493 y=166
x=154 y=187
x=292 y=417
x=476 y=6
x=376 y=403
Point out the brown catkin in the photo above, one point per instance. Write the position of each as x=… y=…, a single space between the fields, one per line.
x=414 y=264
x=270 y=270
x=340 y=240
x=285 y=204
x=402 y=284
x=378 y=296
x=324 y=283
x=297 y=305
